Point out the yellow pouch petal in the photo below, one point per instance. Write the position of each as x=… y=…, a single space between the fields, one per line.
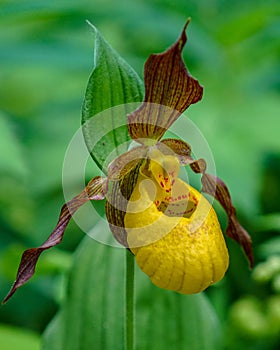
x=177 y=243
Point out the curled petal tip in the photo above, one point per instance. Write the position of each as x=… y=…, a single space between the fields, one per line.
x=187 y=23
x=183 y=36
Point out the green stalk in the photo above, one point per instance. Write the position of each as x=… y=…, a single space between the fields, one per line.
x=129 y=302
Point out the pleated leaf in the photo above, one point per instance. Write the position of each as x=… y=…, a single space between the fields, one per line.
x=92 y=316
x=169 y=320
x=112 y=83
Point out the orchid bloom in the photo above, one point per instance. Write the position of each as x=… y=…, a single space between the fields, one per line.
x=170 y=227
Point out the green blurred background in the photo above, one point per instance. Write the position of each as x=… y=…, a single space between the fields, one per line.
x=46 y=55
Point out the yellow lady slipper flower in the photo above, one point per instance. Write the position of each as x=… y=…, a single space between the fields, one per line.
x=172 y=230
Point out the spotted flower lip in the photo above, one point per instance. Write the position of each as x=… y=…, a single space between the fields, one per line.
x=172 y=230
x=169 y=91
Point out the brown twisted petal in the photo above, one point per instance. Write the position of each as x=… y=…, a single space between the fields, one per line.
x=95 y=190
x=167 y=84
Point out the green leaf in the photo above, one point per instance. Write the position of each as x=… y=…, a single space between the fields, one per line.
x=92 y=316
x=12 y=338
x=112 y=83
x=54 y=337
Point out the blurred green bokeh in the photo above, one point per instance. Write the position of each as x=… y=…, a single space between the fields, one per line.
x=46 y=54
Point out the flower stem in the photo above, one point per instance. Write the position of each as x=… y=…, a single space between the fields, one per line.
x=129 y=302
